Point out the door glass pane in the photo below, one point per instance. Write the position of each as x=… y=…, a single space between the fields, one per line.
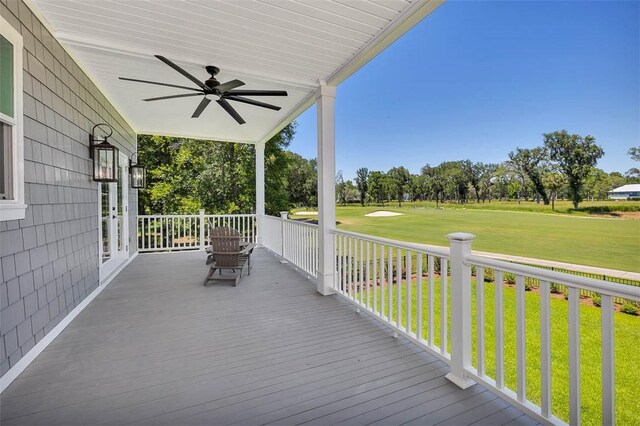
x=6 y=79
x=105 y=222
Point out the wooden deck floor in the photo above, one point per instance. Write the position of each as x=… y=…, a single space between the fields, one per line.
x=156 y=347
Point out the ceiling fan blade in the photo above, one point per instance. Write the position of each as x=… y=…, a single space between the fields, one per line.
x=159 y=84
x=201 y=106
x=258 y=92
x=180 y=70
x=229 y=85
x=232 y=112
x=252 y=102
x=184 y=95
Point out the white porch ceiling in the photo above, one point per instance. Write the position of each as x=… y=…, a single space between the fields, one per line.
x=269 y=44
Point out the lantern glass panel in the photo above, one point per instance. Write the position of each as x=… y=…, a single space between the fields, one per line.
x=138 y=177
x=105 y=162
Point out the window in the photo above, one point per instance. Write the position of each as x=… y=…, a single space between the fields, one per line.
x=12 y=204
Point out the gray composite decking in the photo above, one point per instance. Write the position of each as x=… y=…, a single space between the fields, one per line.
x=156 y=347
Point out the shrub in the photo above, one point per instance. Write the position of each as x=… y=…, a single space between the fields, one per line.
x=556 y=288
x=489 y=275
x=596 y=299
x=631 y=308
x=531 y=283
x=509 y=278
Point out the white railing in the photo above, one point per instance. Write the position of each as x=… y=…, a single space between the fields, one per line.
x=188 y=232
x=300 y=245
x=293 y=240
x=374 y=272
x=448 y=311
x=271 y=233
x=543 y=280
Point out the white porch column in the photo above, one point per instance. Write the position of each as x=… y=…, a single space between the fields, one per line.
x=325 y=99
x=260 y=189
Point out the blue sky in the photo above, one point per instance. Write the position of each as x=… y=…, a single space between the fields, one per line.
x=475 y=80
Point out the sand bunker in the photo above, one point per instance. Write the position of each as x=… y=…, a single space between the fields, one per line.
x=382 y=213
x=306 y=213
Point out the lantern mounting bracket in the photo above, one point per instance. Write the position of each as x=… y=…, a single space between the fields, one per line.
x=92 y=137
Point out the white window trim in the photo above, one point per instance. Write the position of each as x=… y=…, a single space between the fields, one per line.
x=16 y=207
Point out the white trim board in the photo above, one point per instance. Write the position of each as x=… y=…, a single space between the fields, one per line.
x=30 y=356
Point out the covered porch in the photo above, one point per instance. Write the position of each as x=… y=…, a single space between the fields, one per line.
x=159 y=348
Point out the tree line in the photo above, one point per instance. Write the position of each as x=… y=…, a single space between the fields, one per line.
x=564 y=167
x=185 y=175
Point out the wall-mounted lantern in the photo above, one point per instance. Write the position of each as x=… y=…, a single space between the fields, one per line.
x=137 y=172
x=104 y=155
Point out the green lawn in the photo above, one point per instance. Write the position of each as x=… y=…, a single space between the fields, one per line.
x=627 y=336
x=573 y=238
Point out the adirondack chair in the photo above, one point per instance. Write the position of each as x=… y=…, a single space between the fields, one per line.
x=227 y=255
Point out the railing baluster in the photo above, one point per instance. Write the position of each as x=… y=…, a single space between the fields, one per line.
x=521 y=349
x=350 y=267
x=499 y=330
x=368 y=275
x=431 y=315
x=375 y=276
x=338 y=243
x=382 y=277
x=574 y=356
x=408 y=293
x=545 y=348
x=608 y=361
x=398 y=286
x=390 y=285
x=361 y=269
x=443 y=305
x=480 y=320
x=419 y=296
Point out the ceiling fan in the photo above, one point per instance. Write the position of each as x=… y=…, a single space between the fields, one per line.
x=211 y=86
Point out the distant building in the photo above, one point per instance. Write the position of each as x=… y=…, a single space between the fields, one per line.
x=626 y=192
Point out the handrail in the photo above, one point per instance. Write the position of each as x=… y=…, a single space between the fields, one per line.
x=598 y=286
x=424 y=248
x=298 y=222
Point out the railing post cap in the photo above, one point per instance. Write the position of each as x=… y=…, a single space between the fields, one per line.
x=460 y=236
x=283 y=214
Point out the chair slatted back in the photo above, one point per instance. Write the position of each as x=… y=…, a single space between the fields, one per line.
x=226 y=240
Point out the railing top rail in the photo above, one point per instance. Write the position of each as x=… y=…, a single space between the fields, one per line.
x=577 y=281
x=424 y=248
x=162 y=216
x=297 y=222
x=231 y=215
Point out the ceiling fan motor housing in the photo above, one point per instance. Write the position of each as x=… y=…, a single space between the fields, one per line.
x=212 y=82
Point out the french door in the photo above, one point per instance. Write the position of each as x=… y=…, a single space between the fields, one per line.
x=113 y=209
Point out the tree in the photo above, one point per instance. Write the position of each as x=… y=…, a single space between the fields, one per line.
x=400 y=180
x=554 y=182
x=436 y=179
x=486 y=181
x=362 y=177
x=184 y=175
x=528 y=162
x=378 y=186
x=633 y=174
x=301 y=180
x=575 y=156
x=341 y=189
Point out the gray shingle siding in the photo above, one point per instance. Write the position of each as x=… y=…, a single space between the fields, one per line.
x=49 y=260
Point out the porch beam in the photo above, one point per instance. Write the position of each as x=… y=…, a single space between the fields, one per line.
x=325 y=98
x=260 y=190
